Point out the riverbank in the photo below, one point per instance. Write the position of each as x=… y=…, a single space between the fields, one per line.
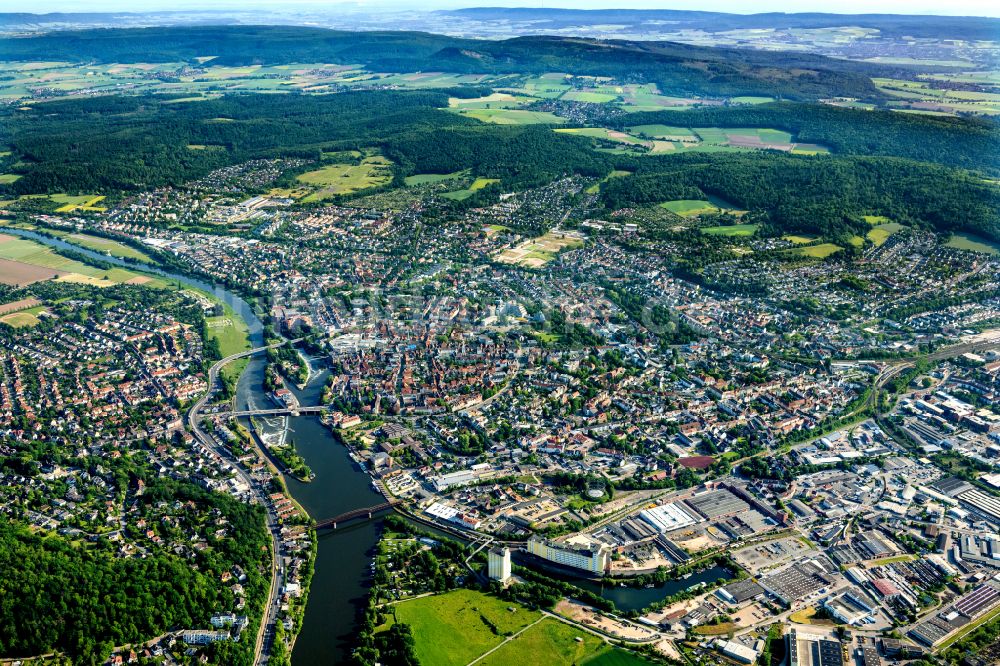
x=244 y=319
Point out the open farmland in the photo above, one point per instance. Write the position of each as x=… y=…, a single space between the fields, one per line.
x=512 y=116
x=713 y=139
x=24 y=261
x=539 y=251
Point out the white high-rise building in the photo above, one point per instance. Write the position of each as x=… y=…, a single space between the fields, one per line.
x=499 y=564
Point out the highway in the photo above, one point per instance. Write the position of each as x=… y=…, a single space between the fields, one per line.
x=265 y=635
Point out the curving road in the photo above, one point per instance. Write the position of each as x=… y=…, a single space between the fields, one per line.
x=265 y=635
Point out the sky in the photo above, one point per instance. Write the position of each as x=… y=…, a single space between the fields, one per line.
x=952 y=7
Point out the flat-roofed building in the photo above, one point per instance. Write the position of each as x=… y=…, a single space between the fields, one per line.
x=592 y=559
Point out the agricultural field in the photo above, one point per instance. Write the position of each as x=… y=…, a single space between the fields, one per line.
x=604 y=134
x=496 y=100
x=24 y=261
x=537 y=252
x=923 y=96
x=715 y=139
x=337 y=179
x=512 y=116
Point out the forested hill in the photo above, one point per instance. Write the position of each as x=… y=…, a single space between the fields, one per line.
x=677 y=68
x=968 y=143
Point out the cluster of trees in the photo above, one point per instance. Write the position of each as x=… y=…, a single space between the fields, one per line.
x=131 y=143
x=82 y=600
x=827 y=196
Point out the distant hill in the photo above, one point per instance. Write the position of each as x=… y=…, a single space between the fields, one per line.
x=890 y=25
x=677 y=68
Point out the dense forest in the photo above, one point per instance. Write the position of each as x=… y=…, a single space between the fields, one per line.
x=677 y=68
x=971 y=143
x=82 y=600
x=824 y=195
x=130 y=143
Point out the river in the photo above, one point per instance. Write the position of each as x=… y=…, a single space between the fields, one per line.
x=342 y=574
x=339 y=586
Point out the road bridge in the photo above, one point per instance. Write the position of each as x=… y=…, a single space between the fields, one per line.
x=278 y=411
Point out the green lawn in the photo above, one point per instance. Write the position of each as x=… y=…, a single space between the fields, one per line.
x=449 y=628
x=233 y=336
x=7 y=178
x=107 y=246
x=687 y=207
x=553 y=642
x=820 y=251
x=429 y=178
x=880 y=233
x=731 y=230
x=973 y=243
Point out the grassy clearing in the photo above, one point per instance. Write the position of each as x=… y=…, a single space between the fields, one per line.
x=450 y=629
x=233 y=335
x=477 y=184
x=553 y=642
x=820 y=251
x=616 y=173
x=879 y=234
x=691 y=207
x=731 y=230
x=8 y=178
x=973 y=243
x=24 y=318
x=496 y=100
x=338 y=179
x=799 y=240
x=107 y=246
x=513 y=116
x=430 y=178
x=539 y=251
